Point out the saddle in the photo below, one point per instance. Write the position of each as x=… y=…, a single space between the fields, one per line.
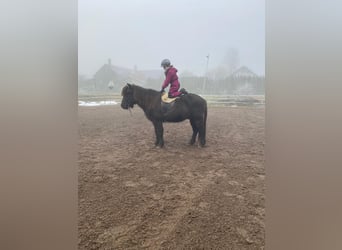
x=167 y=103
x=166 y=99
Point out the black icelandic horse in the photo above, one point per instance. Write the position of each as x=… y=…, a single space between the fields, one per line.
x=188 y=106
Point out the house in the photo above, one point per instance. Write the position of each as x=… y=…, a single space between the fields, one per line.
x=119 y=75
x=106 y=74
x=246 y=82
x=243 y=72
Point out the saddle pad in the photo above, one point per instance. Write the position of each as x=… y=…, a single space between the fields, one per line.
x=165 y=98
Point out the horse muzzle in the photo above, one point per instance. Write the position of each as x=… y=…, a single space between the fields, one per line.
x=124 y=105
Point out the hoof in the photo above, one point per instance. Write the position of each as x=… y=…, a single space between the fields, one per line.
x=159 y=145
x=192 y=141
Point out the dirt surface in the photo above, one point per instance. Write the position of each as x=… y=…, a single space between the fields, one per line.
x=135 y=196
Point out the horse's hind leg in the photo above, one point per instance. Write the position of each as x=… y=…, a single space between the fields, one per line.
x=203 y=126
x=201 y=129
x=194 y=132
x=202 y=138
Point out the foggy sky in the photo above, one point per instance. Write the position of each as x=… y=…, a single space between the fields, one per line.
x=143 y=32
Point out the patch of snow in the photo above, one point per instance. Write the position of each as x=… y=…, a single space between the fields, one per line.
x=92 y=104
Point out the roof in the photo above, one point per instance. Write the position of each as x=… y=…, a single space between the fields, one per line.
x=121 y=71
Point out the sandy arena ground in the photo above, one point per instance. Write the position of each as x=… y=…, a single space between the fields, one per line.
x=135 y=196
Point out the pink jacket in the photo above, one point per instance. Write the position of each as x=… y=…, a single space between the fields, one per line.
x=171 y=78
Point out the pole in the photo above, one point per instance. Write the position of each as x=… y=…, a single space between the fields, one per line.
x=206 y=74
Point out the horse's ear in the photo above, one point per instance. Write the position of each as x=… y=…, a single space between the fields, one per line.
x=129 y=85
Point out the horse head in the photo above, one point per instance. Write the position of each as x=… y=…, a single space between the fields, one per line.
x=127 y=97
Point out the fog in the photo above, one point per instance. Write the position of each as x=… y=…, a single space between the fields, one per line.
x=140 y=33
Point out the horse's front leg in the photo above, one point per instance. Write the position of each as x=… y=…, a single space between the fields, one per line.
x=159 y=130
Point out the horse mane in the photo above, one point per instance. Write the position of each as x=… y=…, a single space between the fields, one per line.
x=145 y=97
x=144 y=90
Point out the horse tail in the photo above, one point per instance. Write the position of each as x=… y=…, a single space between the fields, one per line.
x=205 y=118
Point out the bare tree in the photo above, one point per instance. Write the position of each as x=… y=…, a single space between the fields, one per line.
x=231 y=60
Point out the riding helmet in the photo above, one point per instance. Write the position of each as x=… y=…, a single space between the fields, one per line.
x=165 y=63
